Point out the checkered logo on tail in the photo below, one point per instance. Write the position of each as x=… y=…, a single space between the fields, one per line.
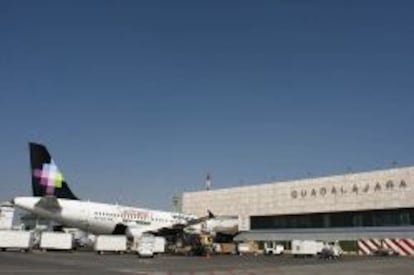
x=49 y=177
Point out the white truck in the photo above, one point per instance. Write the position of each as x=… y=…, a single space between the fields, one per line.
x=272 y=248
x=56 y=241
x=306 y=247
x=16 y=240
x=110 y=243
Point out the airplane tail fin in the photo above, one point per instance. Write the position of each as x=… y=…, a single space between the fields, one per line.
x=47 y=180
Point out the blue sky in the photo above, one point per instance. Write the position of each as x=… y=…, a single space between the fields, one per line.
x=138 y=100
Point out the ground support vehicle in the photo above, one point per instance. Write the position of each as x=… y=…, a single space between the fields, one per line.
x=110 y=243
x=16 y=240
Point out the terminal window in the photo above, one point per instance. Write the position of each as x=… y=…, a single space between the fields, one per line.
x=385 y=217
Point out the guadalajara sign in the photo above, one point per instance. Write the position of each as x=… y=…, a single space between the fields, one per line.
x=352 y=189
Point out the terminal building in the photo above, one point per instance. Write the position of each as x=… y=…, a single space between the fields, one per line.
x=367 y=207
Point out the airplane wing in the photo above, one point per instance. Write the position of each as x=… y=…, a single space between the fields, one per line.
x=167 y=231
x=200 y=220
x=179 y=227
x=174 y=229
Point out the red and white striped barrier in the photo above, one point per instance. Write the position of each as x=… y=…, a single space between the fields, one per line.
x=402 y=247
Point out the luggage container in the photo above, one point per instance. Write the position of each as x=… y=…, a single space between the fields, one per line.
x=56 y=241
x=148 y=245
x=224 y=248
x=306 y=247
x=159 y=245
x=249 y=247
x=16 y=240
x=110 y=243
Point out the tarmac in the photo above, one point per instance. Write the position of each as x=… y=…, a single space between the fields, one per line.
x=90 y=263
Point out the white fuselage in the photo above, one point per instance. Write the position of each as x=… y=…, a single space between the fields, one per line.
x=100 y=218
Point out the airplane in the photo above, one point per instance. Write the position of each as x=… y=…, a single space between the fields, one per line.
x=52 y=199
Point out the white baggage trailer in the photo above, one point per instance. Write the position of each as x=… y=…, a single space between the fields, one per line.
x=56 y=241
x=306 y=247
x=148 y=245
x=16 y=240
x=159 y=245
x=110 y=243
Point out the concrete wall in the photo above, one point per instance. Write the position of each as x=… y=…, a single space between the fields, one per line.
x=393 y=188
